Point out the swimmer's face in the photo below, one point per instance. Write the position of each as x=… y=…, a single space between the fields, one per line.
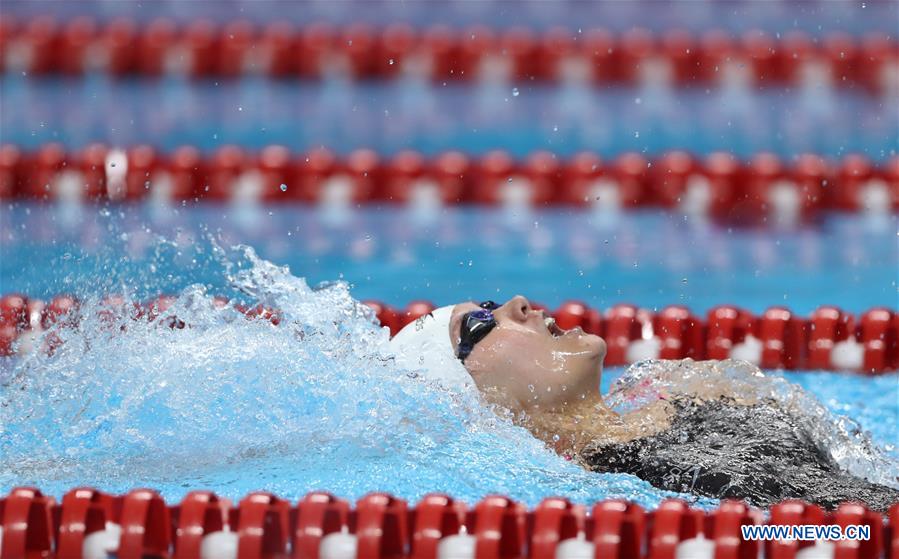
x=525 y=364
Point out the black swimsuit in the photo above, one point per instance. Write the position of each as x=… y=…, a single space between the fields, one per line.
x=724 y=450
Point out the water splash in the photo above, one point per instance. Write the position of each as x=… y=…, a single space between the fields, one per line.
x=236 y=405
x=839 y=437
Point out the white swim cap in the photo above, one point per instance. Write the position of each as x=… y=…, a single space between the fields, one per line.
x=424 y=346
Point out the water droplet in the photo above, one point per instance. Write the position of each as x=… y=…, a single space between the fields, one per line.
x=531 y=387
x=515 y=92
x=636 y=134
x=684 y=281
x=283 y=187
x=638 y=101
x=390 y=62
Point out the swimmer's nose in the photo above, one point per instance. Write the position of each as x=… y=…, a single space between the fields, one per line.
x=519 y=308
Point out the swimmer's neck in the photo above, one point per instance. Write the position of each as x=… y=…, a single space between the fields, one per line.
x=574 y=425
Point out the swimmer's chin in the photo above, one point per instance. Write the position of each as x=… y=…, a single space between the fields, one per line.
x=594 y=346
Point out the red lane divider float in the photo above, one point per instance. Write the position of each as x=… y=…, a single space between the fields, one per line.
x=762 y=189
x=202 y=525
x=829 y=339
x=202 y=49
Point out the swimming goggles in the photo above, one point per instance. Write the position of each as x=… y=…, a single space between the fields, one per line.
x=475 y=326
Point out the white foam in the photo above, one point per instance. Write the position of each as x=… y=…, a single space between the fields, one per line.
x=228 y=401
x=840 y=437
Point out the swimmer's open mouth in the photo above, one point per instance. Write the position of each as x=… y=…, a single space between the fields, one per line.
x=553 y=328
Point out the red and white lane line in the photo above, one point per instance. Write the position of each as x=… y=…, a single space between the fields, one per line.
x=829 y=339
x=761 y=190
x=202 y=49
x=91 y=524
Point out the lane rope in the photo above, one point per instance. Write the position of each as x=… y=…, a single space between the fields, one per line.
x=828 y=339
x=90 y=523
x=203 y=49
x=763 y=189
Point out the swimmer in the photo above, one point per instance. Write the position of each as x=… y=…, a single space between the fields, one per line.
x=710 y=443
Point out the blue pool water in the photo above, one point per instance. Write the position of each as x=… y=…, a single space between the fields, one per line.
x=236 y=405
x=393 y=255
x=411 y=114
x=813 y=17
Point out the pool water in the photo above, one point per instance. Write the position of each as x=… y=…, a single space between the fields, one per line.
x=650 y=258
x=773 y=17
x=430 y=118
x=315 y=403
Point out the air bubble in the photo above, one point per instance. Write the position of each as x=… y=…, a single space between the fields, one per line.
x=283 y=187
